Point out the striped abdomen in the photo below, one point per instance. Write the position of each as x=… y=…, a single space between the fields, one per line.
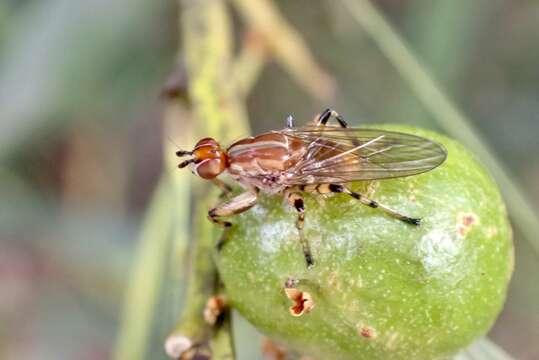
x=265 y=155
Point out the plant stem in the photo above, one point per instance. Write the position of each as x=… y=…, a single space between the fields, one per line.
x=220 y=113
x=219 y=344
x=208 y=58
x=249 y=63
x=191 y=329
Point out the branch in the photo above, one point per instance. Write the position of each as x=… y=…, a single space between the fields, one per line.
x=220 y=343
x=208 y=58
x=192 y=331
x=286 y=45
x=219 y=112
x=250 y=62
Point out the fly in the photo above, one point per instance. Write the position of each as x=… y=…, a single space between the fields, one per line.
x=317 y=158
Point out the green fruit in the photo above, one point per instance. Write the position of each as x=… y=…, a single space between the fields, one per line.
x=382 y=289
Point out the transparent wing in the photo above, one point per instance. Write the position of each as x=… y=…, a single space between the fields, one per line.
x=339 y=155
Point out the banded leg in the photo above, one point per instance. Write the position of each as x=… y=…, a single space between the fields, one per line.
x=337 y=188
x=296 y=200
x=235 y=206
x=327 y=115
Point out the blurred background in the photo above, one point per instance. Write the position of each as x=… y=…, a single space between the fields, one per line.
x=81 y=142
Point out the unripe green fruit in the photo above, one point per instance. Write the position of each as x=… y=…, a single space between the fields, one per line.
x=382 y=289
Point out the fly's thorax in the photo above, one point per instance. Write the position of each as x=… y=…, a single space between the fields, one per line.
x=266 y=154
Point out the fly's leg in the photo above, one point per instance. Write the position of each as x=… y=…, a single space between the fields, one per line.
x=226 y=190
x=327 y=115
x=337 y=188
x=296 y=200
x=235 y=206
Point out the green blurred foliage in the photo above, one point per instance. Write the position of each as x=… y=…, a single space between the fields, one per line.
x=81 y=144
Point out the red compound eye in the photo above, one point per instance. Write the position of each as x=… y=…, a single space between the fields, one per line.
x=209 y=168
x=210 y=159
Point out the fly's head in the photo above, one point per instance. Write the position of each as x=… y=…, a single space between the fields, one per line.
x=208 y=159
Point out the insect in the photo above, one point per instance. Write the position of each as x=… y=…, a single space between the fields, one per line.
x=317 y=158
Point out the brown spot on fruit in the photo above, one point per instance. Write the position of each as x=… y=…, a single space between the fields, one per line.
x=367 y=332
x=468 y=220
x=303 y=301
x=465 y=222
